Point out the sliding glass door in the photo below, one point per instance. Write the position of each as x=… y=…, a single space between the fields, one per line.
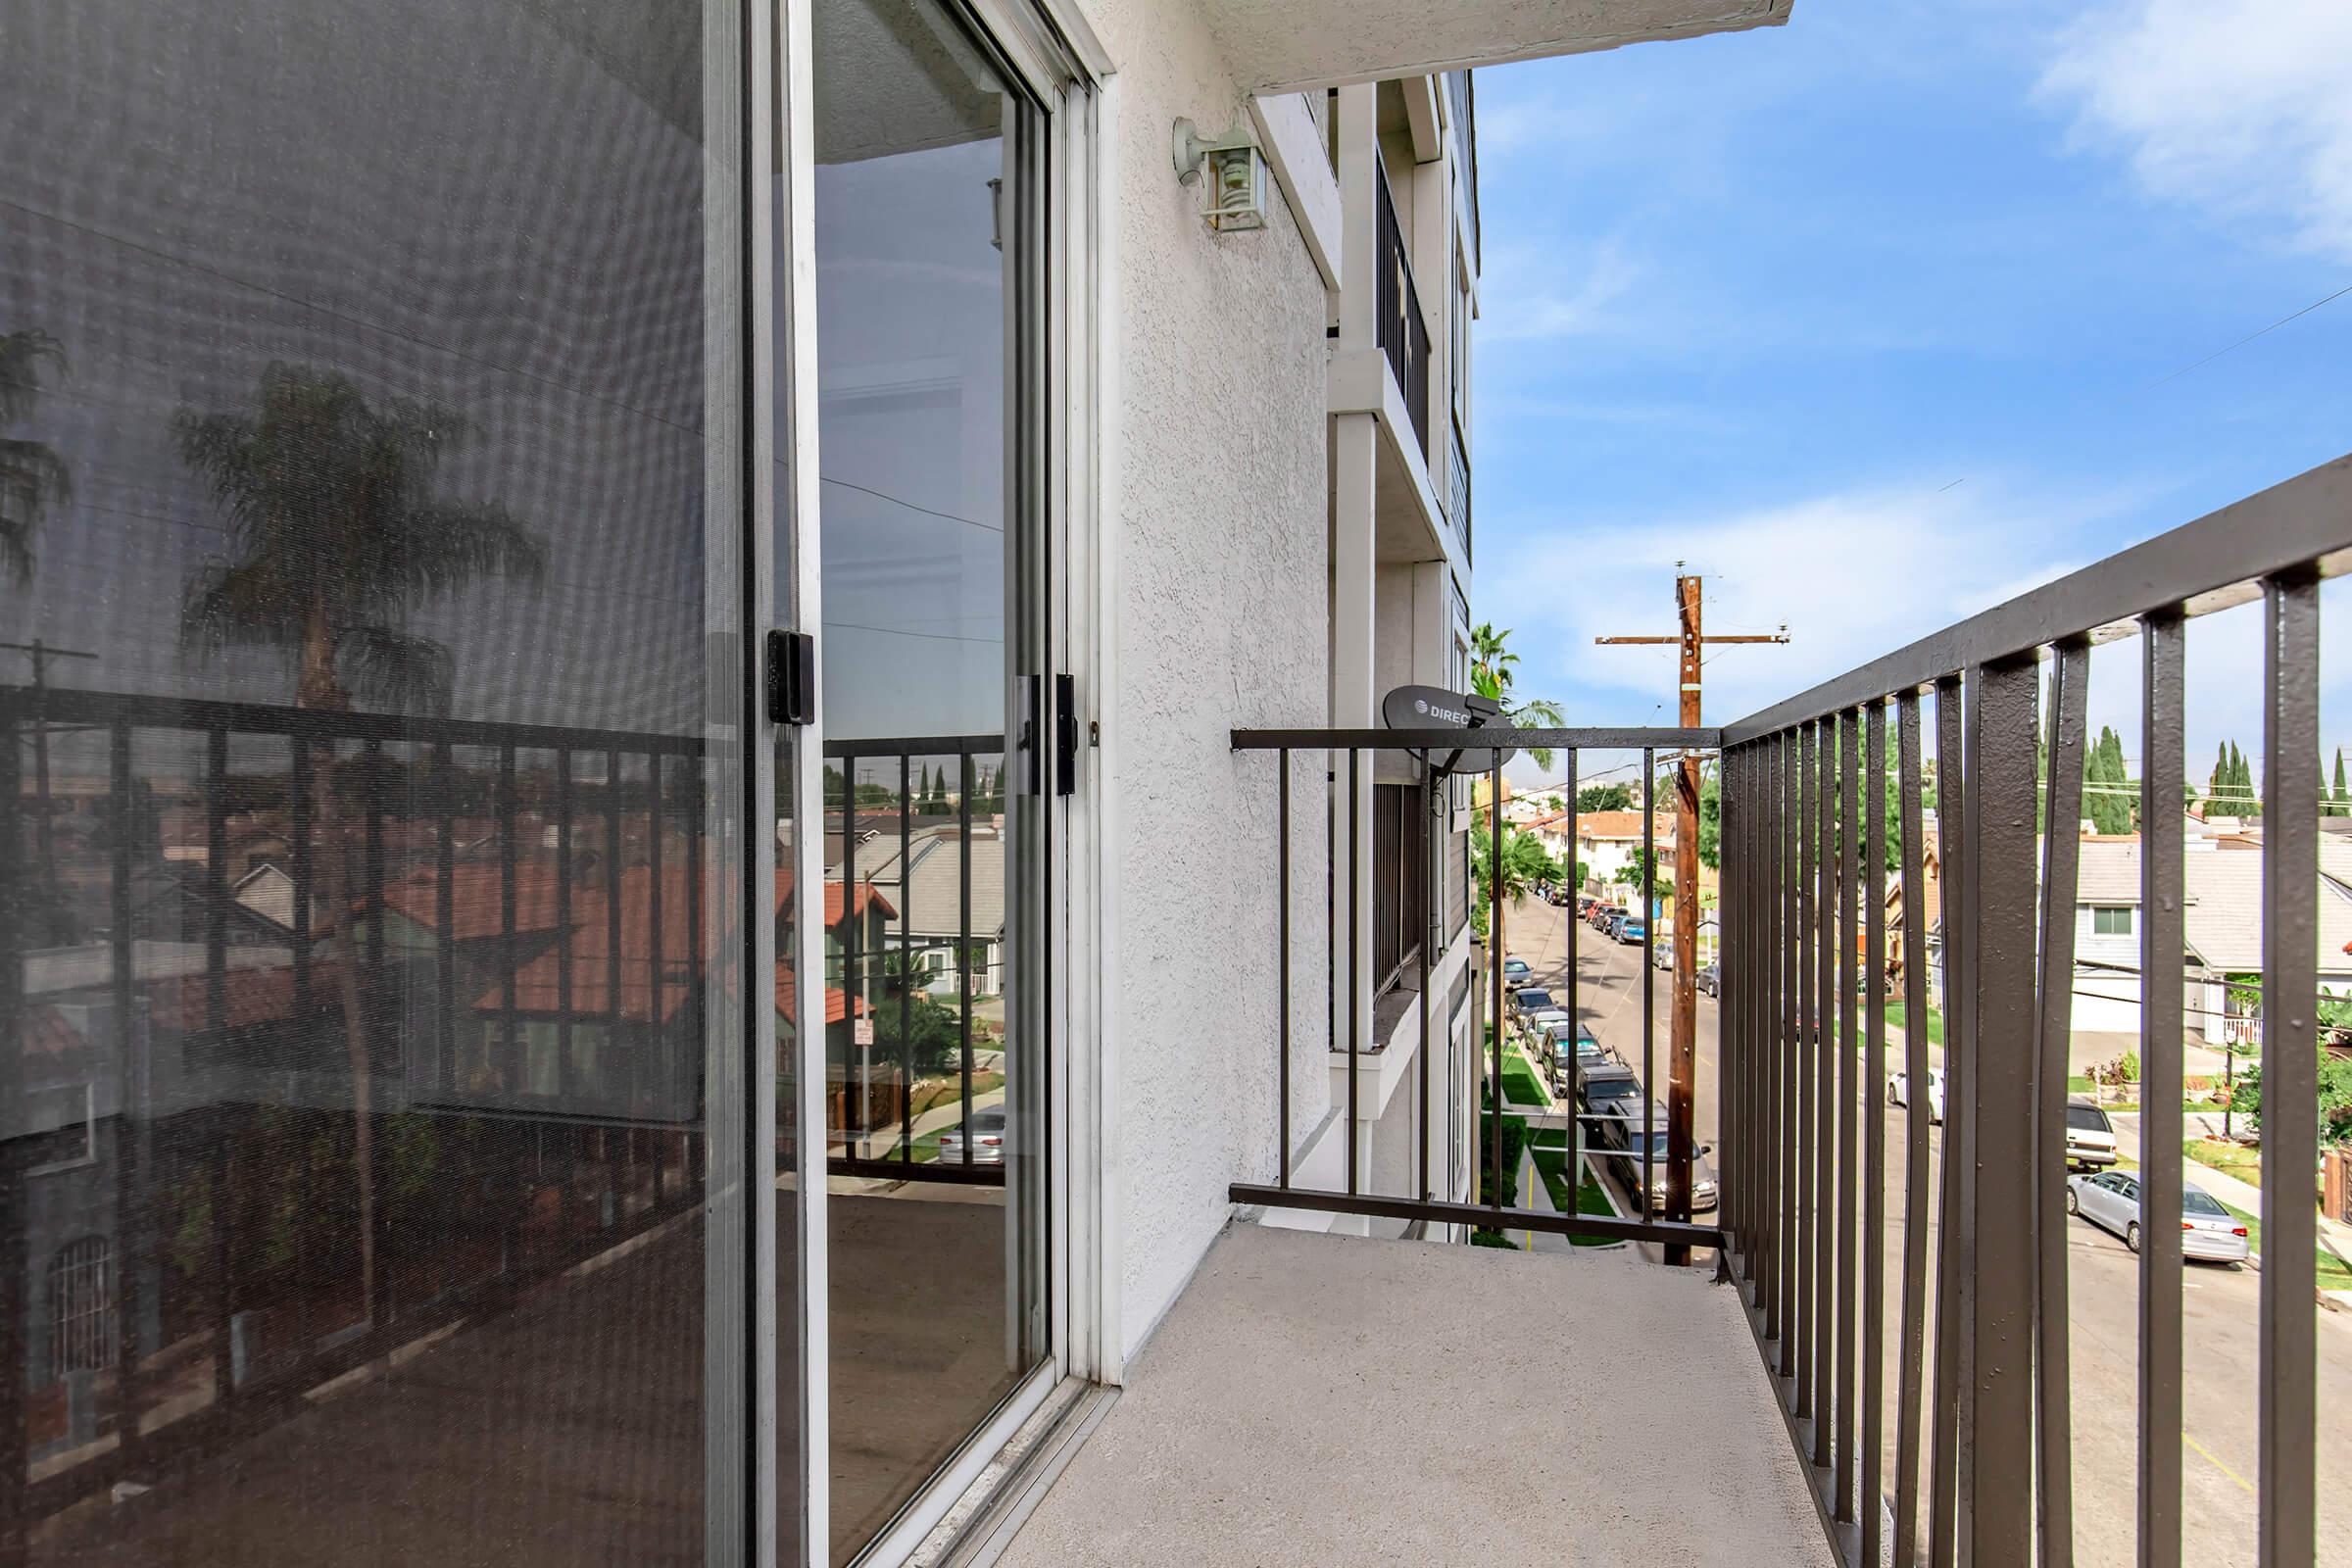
x=373 y=845
x=932 y=805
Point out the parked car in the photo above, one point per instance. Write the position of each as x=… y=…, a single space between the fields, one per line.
x=1556 y=895
x=2090 y=1137
x=988 y=1139
x=1611 y=1089
x=1710 y=980
x=1624 y=1146
x=1661 y=956
x=1898 y=1089
x=1529 y=997
x=1584 y=905
x=1630 y=928
x=2111 y=1199
x=1515 y=969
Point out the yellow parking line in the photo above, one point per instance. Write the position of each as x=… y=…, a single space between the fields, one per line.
x=2209 y=1458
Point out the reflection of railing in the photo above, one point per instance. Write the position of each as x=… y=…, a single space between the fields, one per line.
x=882 y=850
x=306 y=966
x=1403 y=332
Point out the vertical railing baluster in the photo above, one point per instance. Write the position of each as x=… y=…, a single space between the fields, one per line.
x=299 y=777
x=132 y=1121
x=511 y=1072
x=1808 y=1106
x=1873 y=1133
x=1850 y=935
x=1790 y=1246
x=224 y=1282
x=1910 y=1397
x=698 y=957
x=612 y=899
x=906 y=957
x=1650 y=969
x=1495 y=957
x=445 y=942
x=564 y=937
x=1428 y=937
x=1823 y=937
x=18 y=935
x=1576 y=1011
x=964 y=950
x=2287 y=1412
x=2062 y=854
x=1282 y=961
x=653 y=990
x=2163 y=939
x=1355 y=958
x=1996 y=1440
x=1944 y=1459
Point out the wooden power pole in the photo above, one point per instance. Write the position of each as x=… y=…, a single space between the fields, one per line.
x=1681 y=1054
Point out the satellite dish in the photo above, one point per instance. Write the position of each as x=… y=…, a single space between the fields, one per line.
x=1436 y=708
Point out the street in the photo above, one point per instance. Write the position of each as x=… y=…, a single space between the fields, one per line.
x=2221 y=1344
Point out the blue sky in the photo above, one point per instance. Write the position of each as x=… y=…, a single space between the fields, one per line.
x=1880 y=318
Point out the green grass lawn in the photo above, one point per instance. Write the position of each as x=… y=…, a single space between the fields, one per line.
x=1520 y=1084
x=1552 y=1162
x=2333 y=1275
x=2232 y=1159
x=1894 y=1020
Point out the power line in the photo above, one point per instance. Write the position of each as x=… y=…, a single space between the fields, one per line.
x=2251 y=336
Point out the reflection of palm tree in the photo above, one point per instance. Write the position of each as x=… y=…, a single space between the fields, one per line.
x=334 y=534
x=32 y=474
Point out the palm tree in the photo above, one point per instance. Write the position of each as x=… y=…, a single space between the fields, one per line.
x=334 y=535
x=32 y=474
x=1491 y=662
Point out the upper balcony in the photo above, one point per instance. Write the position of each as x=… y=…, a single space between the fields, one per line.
x=1282 y=45
x=1906 y=1325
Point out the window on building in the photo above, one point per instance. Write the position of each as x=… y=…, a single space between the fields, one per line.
x=81 y=1307
x=2110 y=921
x=1399 y=876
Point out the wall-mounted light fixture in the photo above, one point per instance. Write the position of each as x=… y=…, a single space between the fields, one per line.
x=1236 y=195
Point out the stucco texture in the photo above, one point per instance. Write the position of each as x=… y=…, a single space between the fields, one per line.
x=1216 y=512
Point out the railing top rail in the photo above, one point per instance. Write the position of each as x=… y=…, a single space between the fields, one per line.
x=1587 y=739
x=78 y=704
x=2201 y=567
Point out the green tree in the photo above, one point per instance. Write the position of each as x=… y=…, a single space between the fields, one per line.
x=1491 y=674
x=33 y=476
x=1605 y=798
x=2335 y=1084
x=2340 y=799
x=2106 y=788
x=1525 y=865
x=336 y=534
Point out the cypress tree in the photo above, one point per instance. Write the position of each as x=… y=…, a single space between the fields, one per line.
x=2342 y=797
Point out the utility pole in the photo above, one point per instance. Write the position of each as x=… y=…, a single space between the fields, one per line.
x=1681 y=1054
x=40 y=653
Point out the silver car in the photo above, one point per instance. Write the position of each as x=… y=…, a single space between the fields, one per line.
x=988 y=1139
x=1627 y=1140
x=2111 y=1199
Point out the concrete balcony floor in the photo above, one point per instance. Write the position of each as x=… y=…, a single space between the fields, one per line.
x=1313 y=1398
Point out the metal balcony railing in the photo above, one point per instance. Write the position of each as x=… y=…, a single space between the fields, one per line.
x=1404 y=330
x=1982 y=1463
x=474 y=959
x=1457 y=471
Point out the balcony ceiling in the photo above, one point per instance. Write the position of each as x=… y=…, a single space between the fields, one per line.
x=1286 y=44
x=1315 y=1398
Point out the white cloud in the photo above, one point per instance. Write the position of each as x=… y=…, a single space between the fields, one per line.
x=2242 y=107
x=1539 y=292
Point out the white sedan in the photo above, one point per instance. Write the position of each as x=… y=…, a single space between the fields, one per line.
x=2111 y=1199
x=1898 y=1089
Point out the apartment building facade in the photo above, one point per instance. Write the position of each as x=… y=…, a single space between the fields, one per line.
x=707 y=557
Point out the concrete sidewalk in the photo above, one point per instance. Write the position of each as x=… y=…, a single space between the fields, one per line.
x=2227 y=1189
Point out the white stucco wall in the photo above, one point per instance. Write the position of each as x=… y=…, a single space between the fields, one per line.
x=1214 y=512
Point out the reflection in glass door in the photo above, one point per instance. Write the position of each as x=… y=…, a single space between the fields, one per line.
x=930 y=561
